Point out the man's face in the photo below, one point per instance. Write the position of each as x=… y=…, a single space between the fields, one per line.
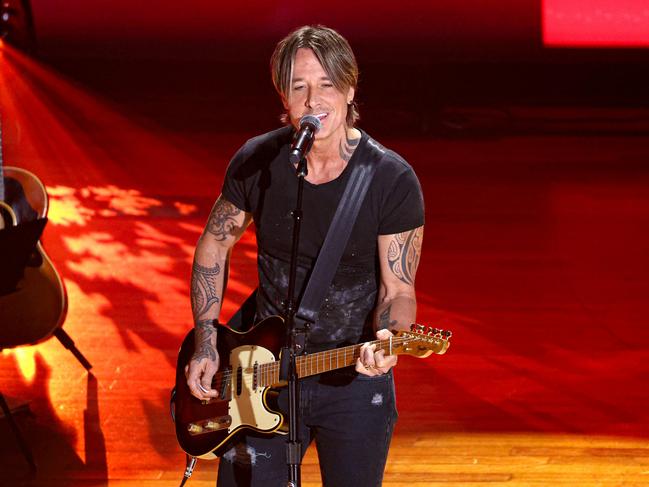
x=311 y=92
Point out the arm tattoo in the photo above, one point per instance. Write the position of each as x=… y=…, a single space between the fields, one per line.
x=222 y=222
x=403 y=254
x=384 y=319
x=347 y=148
x=204 y=288
x=204 y=348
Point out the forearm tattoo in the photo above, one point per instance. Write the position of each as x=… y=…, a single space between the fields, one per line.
x=347 y=148
x=403 y=254
x=222 y=222
x=204 y=281
x=204 y=347
x=384 y=319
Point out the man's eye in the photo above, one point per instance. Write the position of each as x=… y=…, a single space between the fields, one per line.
x=327 y=85
x=298 y=88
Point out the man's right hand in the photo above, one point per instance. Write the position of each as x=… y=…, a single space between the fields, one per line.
x=200 y=372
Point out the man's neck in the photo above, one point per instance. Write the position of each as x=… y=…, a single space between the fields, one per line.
x=328 y=158
x=335 y=150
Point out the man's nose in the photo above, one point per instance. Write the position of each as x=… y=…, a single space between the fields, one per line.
x=309 y=99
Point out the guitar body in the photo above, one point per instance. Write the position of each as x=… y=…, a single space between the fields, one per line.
x=240 y=405
x=38 y=305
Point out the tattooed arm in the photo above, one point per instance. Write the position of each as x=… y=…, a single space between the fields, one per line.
x=396 y=304
x=224 y=227
x=399 y=256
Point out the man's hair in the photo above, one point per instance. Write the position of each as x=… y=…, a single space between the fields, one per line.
x=332 y=51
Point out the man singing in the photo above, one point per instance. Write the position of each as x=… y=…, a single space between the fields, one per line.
x=349 y=413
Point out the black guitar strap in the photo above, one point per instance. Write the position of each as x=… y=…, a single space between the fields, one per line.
x=339 y=232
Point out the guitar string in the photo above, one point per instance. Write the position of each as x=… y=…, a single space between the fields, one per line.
x=306 y=363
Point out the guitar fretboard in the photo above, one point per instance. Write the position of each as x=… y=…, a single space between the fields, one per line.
x=316 y=363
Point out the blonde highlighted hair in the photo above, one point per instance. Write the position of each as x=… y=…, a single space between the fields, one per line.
x=332 y=51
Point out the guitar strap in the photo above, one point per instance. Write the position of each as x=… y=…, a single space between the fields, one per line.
x=339 y=232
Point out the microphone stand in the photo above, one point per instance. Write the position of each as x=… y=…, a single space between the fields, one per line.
x=288 y=367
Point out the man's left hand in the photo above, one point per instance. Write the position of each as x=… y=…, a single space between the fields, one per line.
x=373 y=363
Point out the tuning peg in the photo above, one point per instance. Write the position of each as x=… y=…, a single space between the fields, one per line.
x=417 y=328
x=447 y=334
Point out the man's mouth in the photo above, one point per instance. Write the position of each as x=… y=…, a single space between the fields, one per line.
x=321 y=116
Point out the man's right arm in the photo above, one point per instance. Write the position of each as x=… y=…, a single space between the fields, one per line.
x=224 y=228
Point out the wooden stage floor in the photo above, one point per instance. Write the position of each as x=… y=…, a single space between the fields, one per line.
x=535 y=255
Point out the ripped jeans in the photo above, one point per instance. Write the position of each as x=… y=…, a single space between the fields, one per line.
x=351 y=418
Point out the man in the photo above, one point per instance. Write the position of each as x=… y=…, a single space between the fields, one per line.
x=349 y=413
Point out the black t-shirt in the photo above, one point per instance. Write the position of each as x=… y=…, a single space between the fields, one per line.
x=261 y=180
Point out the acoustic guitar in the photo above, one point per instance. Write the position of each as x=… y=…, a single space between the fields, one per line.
x=33 y=307
x=248 y=380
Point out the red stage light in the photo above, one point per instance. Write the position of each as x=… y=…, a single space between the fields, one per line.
x=596 y=23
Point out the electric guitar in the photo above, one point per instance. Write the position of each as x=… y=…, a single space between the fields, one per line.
x=249 y=377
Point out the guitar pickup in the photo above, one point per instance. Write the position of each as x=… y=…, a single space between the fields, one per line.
x=209 y=425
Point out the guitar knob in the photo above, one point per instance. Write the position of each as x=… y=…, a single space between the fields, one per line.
x=194 y=429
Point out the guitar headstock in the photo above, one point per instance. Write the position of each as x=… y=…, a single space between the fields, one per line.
x=421 y=341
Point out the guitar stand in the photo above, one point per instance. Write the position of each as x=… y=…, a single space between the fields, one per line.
x=68 y=343
x=24 y=447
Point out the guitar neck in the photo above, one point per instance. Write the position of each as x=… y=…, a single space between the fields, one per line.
x=317 y=363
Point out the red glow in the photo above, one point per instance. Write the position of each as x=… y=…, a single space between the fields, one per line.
x=201 y=27
x=540 y=273
x=612 y=23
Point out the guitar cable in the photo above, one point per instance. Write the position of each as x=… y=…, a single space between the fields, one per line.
x=189 y=469
x=190 y=462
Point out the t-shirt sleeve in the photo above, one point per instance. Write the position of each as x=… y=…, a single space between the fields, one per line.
x=235 y=187
x=403 y=206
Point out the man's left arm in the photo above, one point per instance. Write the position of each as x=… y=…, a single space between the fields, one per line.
x=396 y=304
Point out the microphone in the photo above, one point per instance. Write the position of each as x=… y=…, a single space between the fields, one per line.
x=309 y=125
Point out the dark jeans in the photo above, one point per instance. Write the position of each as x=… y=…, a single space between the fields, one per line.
x=350 y=417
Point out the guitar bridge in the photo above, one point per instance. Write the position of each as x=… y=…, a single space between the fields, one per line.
x=209 y=425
